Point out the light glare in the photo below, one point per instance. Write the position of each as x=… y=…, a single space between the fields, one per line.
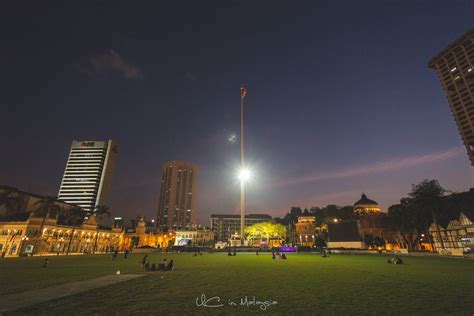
x=244 y=174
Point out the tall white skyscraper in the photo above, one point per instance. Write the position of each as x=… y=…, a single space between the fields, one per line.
x=88 y=175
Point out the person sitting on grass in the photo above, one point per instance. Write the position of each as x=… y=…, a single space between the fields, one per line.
x=46 y=263
x=283 y=256
x=162 y=265
x=395 y=260
x=153 y=267
x=170 y=266
x=147 y=266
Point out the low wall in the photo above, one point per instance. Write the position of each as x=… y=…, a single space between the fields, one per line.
x=347 y=244
x=451 y=252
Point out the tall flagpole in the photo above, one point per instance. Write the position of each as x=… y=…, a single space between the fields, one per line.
x=243 y=92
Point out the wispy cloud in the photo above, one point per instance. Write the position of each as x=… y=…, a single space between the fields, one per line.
x=110 y=62
x=377 y=167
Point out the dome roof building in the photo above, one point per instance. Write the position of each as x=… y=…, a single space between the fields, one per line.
x=366 y=206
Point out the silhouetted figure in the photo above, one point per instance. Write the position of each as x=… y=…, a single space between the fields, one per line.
x=273 y=255
x=162 y=265
x=153 y=267
x=235 y=251
x=144 y=259
x=283 y=256
x=115 y=254
x=126 y=254
x=170 y=266
x=147 y=266
x=257 y=252
x=45 y=263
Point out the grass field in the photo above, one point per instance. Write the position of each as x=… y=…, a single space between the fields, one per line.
x=303 y=284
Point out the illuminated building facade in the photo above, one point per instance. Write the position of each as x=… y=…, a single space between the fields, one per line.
x=141 y=236
x=458 y=235
x=226 y=225
x=195 y=237
x=177 y=204
x=306 y=229
x=18 y=235
x=366 y=206
x=88 y=175
x=455 y=68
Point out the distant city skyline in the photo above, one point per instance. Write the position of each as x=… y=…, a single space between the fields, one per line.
x=340 y=101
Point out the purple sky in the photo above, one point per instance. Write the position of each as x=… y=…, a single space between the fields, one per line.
x=340 y=99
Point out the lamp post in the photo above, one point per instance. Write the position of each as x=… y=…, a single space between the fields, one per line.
x=243 y=93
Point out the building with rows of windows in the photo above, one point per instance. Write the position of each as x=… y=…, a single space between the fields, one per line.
x=88 y=175
x=455 y=68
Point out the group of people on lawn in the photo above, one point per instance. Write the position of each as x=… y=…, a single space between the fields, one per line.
x=278 y=255
x=162 y=266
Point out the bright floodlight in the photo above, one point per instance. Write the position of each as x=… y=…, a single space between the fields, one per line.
x=244 y=174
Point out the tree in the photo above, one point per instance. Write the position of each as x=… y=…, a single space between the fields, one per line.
x=74 y=216
x=11 y=199
x=100 y=212
x=46 y=207
x=369 y=240
x=379 y=242
x=266 y=230
x=320 y=242
x=426 y=197
x=402 y=218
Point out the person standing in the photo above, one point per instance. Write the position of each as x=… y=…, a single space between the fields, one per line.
x=144 y=259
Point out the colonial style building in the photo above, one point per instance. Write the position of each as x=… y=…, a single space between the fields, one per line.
x=141 y=236
x=23 y=235
x=366 y=205
x=195 y=237
x=307 y=230
x=457 y=236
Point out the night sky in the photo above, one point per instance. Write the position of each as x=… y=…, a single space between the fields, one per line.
x=340 y=98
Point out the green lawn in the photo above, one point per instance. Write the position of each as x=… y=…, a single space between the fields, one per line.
x=303 y=284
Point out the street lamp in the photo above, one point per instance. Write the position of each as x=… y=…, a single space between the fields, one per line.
x=244 y=174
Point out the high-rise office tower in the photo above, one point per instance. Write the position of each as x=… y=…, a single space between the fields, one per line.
x=455 y=67
x=88 y=175
x=177 y=205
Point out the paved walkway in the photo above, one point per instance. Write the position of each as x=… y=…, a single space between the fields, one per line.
x=19 y=300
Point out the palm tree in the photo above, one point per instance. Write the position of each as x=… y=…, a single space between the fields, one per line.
x=99 y=213
x=75 y=216
x=11 y=199
x=47 y=207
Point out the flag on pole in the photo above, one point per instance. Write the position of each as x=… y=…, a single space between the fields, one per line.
x=243 y=92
